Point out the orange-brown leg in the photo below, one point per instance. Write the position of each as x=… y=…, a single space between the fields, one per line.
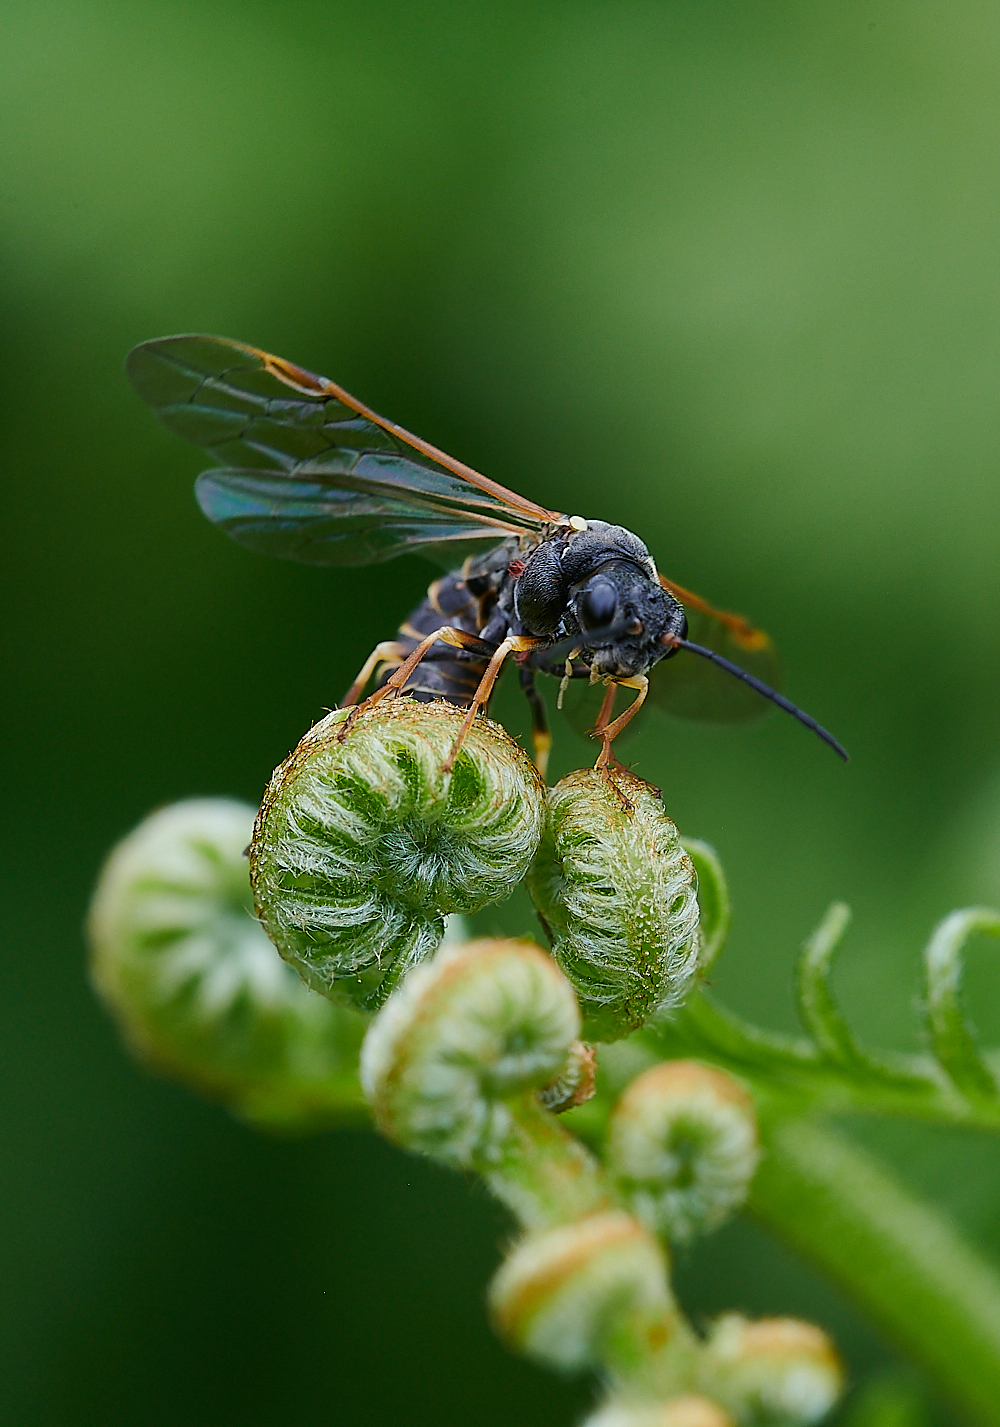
x=606 y=731
x=514 y=643
x=604 y=717
x=448 y=634
x=607 y=762
x=387 y=652
x=541 y=738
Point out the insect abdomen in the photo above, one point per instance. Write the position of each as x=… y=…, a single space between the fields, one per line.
x=443 y=673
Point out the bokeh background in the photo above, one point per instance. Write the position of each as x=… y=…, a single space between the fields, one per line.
x=728 y=274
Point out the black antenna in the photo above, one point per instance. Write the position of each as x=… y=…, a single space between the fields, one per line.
x=764 y=690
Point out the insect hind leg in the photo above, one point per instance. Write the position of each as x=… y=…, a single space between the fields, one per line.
x=447 y=633
x=388 y=652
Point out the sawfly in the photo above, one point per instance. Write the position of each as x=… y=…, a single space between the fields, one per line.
x=307 y=472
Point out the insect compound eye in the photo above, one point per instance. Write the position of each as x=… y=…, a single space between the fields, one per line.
x=598 y=605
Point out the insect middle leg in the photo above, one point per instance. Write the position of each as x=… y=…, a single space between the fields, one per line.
x=541 y=738
x=513 y=644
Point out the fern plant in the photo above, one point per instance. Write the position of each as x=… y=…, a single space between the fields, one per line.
x=595 y=1085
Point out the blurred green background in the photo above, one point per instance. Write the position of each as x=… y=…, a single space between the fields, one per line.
x=728 y=274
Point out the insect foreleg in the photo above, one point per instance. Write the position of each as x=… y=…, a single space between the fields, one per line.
x=608 y=732
x=540 y=736
x=513 y=643
x=604 y=717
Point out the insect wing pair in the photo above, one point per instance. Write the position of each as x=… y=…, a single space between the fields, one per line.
x=308 y=473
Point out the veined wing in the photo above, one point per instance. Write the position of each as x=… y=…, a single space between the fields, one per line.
x=690 y=687
x=314 y=474
x=317 y=520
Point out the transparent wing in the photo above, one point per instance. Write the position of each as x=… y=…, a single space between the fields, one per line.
x=318 y=521
x=688 y=686
x=315 y=475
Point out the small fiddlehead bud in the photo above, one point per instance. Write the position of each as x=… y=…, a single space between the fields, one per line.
x=617 y=894
x=363 y=845
x=682 y=1144
x=951 y=1038
x=777 y=1371
x=585 y=1294
x=817 y=1007
x=453 y=1062
x=575 y=1083
x=691 y=1410
x=196 y=986
x=715 y=910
